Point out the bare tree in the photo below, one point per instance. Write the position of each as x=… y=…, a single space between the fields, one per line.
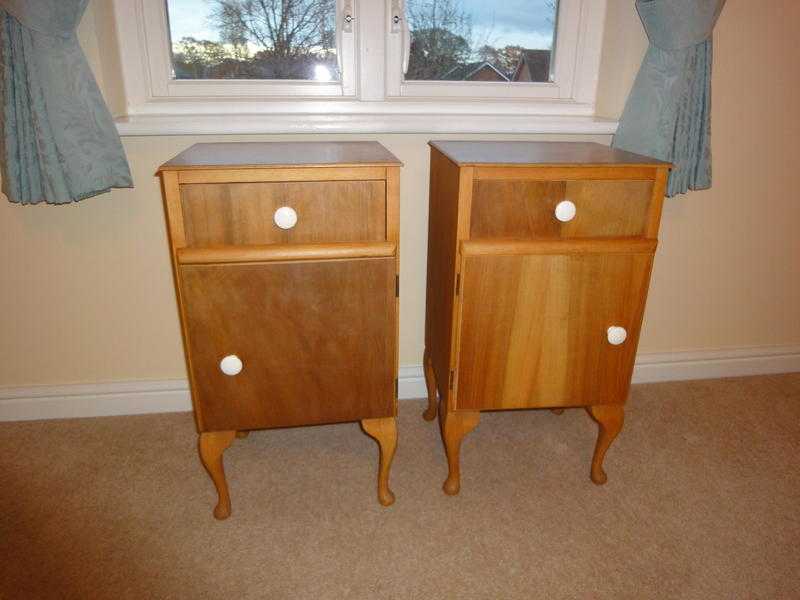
x=551 y=6
x=293 y=33
x=441 y=35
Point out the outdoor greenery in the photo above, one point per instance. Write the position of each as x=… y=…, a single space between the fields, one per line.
x=292 y=39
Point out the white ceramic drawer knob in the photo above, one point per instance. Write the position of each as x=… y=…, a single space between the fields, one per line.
x=285 y=217
x=565 y=211
x=231 y=365
x=616 y=335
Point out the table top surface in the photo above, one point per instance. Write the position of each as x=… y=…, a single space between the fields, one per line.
x=466 y=153
x=281 y=154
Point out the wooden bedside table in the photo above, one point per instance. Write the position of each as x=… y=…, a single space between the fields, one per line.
x=285 y=258
x=539 y=258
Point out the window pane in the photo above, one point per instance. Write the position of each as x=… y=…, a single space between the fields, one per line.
x=481 y=40
x=253 y=39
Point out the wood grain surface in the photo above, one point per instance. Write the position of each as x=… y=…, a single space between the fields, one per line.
x=533 y=329
x=317 y=340
x=283 y=252
x=540 y=154
x=520 y=208
x=243 y=213
x=449 y=186
x=278 y=154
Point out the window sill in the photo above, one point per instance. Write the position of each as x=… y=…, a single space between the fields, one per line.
x=378 y=122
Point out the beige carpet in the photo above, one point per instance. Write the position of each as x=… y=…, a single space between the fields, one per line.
x=703 y=501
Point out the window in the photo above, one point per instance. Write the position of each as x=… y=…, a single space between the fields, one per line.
x=361 y=65
x=474 y=40
x=235 y=39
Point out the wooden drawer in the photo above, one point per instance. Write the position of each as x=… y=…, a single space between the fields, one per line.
x=315 y=340
x=535 y=318
x=527 y=209
x=242 y=213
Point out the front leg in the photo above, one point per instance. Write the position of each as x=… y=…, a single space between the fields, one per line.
x=610 y=418
x=455 y=425
x=212 y=444
x=385 y=433
x=430 y=382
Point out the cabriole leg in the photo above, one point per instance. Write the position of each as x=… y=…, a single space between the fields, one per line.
x=212 y=445
x=455 y=425
x=430 y=382
x=609 y=417
x=385 y=433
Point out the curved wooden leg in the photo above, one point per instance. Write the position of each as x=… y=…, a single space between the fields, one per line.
x=455 y=425
x=430 y=382
x=557 y=411
x=212 y=444
x=610 y=418
x=242 y=434
x=385 y=433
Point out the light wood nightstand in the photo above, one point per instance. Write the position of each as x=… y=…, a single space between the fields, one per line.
x=539 y=258
x=285 y=258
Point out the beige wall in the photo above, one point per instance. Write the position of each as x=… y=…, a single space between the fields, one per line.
x=86 y=292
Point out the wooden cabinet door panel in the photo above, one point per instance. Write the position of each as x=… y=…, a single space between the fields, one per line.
x=242 y=213
x=316 y=340
x=526 y=209
x=533 y=328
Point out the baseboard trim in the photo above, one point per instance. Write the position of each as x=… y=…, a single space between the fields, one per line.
x=172 y=395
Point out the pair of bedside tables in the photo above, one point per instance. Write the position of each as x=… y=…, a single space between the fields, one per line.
x=285 y=258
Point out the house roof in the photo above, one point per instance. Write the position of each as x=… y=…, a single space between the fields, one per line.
x=467 y=70
x=537 y=61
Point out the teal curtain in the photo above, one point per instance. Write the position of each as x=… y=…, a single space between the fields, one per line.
x=667 y=115
x=58 y=142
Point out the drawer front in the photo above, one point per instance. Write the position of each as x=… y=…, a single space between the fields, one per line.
x=310 y=342
x=528 y=209
x=245 y=213
x=549 y=330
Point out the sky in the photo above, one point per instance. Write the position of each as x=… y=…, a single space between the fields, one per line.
x=500 y=22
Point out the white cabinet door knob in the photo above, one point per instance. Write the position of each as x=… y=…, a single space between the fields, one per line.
x=285 y=217
x=616 y=335
x=231 y=365
x=565 y=211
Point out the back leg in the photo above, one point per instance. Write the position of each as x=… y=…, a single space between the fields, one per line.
x=430 y=382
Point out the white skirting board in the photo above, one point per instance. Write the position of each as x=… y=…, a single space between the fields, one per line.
x=141 y=397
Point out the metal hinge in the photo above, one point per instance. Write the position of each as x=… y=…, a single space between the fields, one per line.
x=397 y=286
x=458 y=283
x=452 y=377
x=396 y=388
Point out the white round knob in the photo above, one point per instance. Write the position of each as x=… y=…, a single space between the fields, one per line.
x=616 y=335
x=231 y=365
x=285 y=217
x=565 y=211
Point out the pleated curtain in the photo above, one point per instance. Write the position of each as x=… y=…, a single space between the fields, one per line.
x=58 y=142
x=668 y=113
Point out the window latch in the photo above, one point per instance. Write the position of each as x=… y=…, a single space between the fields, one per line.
x=347 y=20
x=397 y=16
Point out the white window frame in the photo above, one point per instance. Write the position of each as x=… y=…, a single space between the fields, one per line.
x=372 y=96
x=148 y=60
x=571 y=14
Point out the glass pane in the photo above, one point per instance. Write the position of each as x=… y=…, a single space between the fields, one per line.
x=253 y=39
x=481 y=40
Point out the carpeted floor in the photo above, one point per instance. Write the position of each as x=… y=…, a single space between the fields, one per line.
x=703 y=501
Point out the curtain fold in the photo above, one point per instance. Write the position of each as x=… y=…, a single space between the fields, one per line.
x=667 y=115
x=58 y=141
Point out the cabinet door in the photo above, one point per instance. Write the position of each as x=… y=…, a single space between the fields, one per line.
x=534 y=322
x=316 y=341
